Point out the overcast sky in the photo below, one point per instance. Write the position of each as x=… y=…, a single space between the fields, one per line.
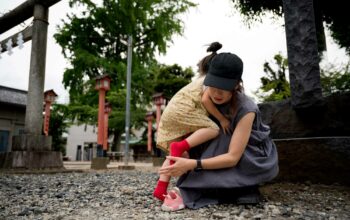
x=212 y=20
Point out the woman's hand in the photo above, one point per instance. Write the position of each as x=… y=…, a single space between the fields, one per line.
x=181 y=166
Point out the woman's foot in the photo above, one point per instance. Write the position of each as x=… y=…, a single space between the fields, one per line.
x=173 y=201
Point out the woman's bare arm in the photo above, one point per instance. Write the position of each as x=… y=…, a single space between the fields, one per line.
x=237 y=146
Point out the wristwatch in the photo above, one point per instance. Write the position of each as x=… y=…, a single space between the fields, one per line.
x=199 y=166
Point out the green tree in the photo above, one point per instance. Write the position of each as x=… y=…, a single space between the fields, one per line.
x=171 y=79
x=275 y=85
x=58 y=126
x=168 y=80
x=335 y=80
x=334 y=14
x=94 y=44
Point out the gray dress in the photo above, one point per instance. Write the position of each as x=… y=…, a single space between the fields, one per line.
x=258 y=164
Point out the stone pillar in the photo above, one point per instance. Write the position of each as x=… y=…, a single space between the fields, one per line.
x=33 y=149
x=35 y=97
x=303 y=59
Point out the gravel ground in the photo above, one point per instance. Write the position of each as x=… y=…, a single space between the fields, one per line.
x=116 y=194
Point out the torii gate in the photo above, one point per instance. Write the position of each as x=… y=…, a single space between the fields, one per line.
x=31 y=149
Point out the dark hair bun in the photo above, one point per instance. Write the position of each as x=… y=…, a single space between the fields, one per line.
x=213 y=47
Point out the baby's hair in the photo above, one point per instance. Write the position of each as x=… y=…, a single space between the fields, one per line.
x=203 y=64
x=213 y=47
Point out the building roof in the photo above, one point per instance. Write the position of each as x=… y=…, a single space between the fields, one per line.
x=13 y=96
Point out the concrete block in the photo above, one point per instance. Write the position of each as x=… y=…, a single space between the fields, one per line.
x=31 y=160
x=30 y=142
x=99 y=163
x=317 y=160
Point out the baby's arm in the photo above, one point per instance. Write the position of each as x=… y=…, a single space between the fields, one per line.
x=211 y=108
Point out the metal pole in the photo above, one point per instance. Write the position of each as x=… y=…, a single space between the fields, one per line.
x=128 y=90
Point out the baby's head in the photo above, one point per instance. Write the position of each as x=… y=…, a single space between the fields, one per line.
x=203 y=64
x=224 y=72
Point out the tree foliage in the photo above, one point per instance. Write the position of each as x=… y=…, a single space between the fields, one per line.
x=58 y=126
x=334 y=14
x=275 y=85
x=171 y=79
x=335 y=80
x=94 y=43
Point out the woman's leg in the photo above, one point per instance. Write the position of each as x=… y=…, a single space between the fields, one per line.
x=162 y=184
x=198 y=137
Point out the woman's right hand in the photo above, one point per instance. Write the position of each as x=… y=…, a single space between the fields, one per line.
x=181 y=166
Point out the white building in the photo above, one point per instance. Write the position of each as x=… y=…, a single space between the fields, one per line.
x=81 y=142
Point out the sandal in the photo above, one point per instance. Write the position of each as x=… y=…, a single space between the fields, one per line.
x=173 y=201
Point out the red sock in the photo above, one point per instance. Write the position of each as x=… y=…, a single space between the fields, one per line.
x=161 y=190
x=178 y=148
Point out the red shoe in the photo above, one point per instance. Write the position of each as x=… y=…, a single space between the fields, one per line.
x=173 y=201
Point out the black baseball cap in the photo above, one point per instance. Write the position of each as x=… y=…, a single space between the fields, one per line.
x=225 y=71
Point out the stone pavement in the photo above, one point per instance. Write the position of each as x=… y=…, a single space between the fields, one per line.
x=120 y=194
x=113 y=165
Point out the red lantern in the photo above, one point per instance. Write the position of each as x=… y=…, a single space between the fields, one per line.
x=158 y=100
x=103 y=82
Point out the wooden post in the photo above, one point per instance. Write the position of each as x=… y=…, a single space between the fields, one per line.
x=101 y=107
x=47 y=118
x=149 y=118
x=49 y=97
x=107 y=110
x=102 y=85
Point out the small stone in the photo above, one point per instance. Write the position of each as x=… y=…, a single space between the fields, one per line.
x=220 y=215
x=258 y=216
x=296 y=211
x=25 y=212
x=128 y=194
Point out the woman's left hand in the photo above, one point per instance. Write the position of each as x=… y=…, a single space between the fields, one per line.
x=181 y=166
